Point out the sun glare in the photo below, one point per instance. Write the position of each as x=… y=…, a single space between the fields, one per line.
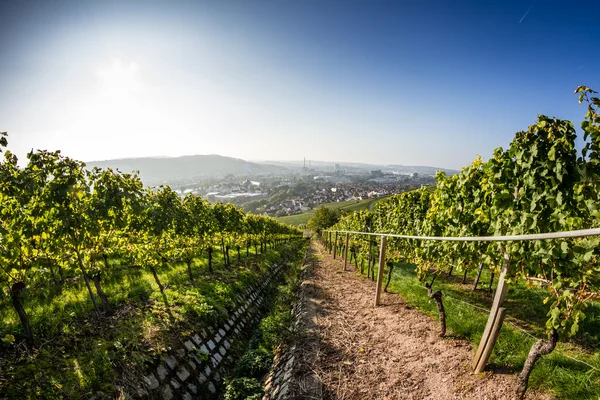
x=115 y=106
x=119 y=81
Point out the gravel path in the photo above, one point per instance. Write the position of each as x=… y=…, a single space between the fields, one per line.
x=389 y=352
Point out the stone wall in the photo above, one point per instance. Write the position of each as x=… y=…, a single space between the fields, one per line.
x=292 y=375
x=195 y=370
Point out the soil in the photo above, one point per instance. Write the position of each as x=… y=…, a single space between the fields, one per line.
x=388 y=352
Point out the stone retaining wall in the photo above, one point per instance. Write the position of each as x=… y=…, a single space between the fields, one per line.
x=195 y=371
x=291 y=376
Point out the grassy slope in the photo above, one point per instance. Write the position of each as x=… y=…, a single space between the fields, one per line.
x=346 y=206
x=75 y=353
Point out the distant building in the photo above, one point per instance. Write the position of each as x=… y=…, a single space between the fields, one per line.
x=376 y=173
x=248 y=183
x=332 y=179
x=211 y=196
x=236 y=197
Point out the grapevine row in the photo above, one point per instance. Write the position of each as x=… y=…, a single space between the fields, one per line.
x=540 y=184
x=54 y=214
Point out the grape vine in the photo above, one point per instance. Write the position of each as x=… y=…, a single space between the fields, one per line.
x=56 y=217
x=539 y=184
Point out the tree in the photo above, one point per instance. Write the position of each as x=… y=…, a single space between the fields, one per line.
x=323 y=219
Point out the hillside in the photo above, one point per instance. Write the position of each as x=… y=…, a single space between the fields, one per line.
x=423 y=170
x=343 y=206
x=354 y=166
x=155 y=170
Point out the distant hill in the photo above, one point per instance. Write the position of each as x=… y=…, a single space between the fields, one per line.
x=423 y=170
x=156 y=170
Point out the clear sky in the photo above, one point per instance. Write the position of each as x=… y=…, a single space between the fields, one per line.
x=403 y=82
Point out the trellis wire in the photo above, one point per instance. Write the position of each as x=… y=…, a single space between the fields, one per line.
x=510 y=323
x=541 y=236
x=507 y=238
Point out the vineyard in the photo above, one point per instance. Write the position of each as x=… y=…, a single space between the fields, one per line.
x=539 y=184
x=101 y=278
x=99 y=275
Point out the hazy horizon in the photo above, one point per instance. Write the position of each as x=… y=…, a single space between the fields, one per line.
x=266 y=161
x=382 y=82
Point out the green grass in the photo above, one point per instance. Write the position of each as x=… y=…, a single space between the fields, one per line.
x=76 y=354
x=244 y=382
x=343 y=206
x=556 y=373
x=50 y=307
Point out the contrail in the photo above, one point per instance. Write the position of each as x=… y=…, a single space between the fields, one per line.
x=526 y=12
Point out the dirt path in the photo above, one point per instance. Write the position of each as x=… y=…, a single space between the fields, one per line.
x=389 y=352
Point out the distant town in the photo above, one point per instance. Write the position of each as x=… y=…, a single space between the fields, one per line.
x=275 y=188
x=289 y=194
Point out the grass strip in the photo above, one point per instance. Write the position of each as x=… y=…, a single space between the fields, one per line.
x=557 y=373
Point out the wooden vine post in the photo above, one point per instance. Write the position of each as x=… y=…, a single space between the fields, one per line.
x=335 y=242
x=346 y=251
x=329 y=242
x=370 y=256
x=380 y=270
x=494 y=323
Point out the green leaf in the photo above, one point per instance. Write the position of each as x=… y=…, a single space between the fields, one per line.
x=8 y=339
x=564 y=247
x=574 y=329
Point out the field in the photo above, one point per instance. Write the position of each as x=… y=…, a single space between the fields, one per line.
x=343 y=206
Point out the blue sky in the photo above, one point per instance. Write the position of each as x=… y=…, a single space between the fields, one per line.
x=413 y=83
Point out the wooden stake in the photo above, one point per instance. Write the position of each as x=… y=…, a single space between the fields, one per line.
x=346 y=251
x=335 y=245
x=485 y=356
x=380 y=270
x=370 y=257
x=487 y=333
